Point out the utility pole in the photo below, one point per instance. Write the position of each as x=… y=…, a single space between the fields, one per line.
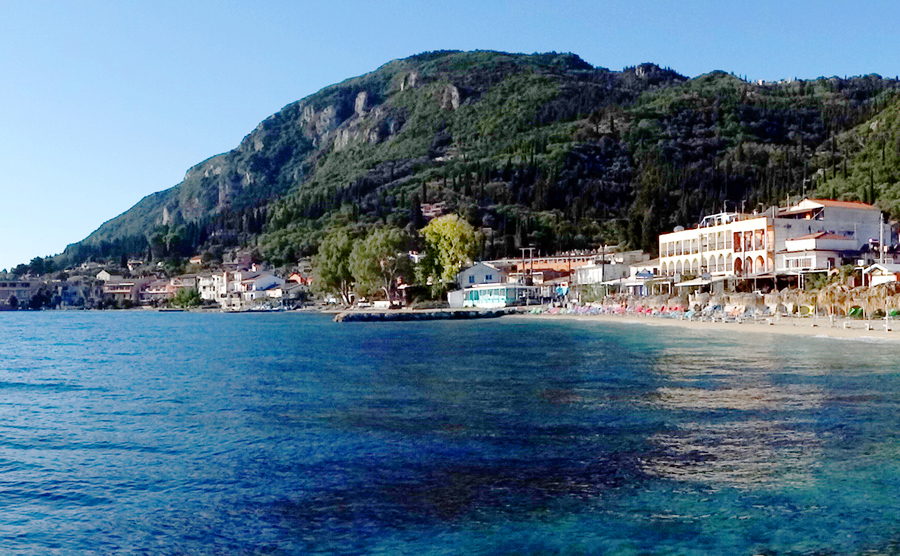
x=524 y=264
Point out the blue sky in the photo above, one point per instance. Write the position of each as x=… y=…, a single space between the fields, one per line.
x=102 y=103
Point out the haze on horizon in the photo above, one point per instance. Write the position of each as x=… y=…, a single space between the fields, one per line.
x=104 y=104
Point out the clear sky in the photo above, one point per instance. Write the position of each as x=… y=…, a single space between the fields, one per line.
x=102 y=103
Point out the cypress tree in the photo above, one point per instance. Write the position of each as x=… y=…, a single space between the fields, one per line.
x=871 y=186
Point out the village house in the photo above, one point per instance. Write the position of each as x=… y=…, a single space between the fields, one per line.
x=605 y=267
x=105 y=276
x=156 y=292
x=236 y=290
x=183 y=282
x=79 y=292
x=289 y=293
x=640 y=279
x=16 y=293
x=124 y=290
x=431 y=211
x=252 y=286
x=820 y=234
x=483 y=273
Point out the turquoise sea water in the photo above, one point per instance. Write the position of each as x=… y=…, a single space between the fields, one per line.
x=148 y=433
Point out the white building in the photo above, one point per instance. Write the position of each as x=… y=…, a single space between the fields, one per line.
x=638 y=280
x=882 y=274
x=236 y=290
x=819 y=250
x=818 y=234
x=253 y=286
x=482 y=273
x=725 y=244
x=814 y=234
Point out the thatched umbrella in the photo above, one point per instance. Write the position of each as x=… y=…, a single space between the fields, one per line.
x=856 y=297
x=789 y=298
x=842 y=298
x=825 y=298
x=807 y=299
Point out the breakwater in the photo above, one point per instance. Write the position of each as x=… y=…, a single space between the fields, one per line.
x=396 y=316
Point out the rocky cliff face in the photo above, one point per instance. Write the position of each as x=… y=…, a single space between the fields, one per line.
x=282 y=153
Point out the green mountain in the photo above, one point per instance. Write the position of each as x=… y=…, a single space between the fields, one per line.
x=539 y=149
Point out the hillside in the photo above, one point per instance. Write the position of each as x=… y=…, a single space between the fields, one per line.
x=537 y=149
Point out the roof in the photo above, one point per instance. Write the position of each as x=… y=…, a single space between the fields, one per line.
x=555 y=281
x=892 y=268
x=257 y=276
x=493 y=265
x=699 y=282
x=648 y=263
x=821 y=235
x=843 y=204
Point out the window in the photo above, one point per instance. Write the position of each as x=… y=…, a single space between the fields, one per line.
x=488 y=277
x=471 y=279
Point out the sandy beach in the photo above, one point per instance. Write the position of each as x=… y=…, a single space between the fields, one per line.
x=818 y=327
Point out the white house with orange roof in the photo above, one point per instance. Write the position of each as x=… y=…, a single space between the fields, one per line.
x=818 y=234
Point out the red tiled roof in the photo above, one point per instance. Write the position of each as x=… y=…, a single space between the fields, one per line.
x=844 y=204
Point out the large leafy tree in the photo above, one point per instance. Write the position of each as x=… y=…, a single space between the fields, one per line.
x=377 y=261
x=331 y=265
x=451 y=243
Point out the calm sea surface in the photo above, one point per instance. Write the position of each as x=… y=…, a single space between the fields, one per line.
x=153 y=433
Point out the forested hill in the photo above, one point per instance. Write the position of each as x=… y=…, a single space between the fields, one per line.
x=539 y=149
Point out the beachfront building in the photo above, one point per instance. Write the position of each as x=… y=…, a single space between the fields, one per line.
x=813 y=235
x=639 y=281
x=124 y=290
x=494 y=296
x=722 y=245
x=236 y=290
x=253 y=285
x=155 y=292
x=483 y=273
x=816 y=251
x=17 y=293
x=820 y=234
x=607 y=266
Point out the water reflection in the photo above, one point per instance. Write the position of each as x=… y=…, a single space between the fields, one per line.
x=737 y=454
x=747 y=398
x=730 y=426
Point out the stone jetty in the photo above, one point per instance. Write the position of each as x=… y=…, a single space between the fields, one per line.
x=396 y=316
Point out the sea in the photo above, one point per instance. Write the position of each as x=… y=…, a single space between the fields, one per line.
x=286 y=433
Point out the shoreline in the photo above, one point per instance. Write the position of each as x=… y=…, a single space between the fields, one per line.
x=787 y=326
